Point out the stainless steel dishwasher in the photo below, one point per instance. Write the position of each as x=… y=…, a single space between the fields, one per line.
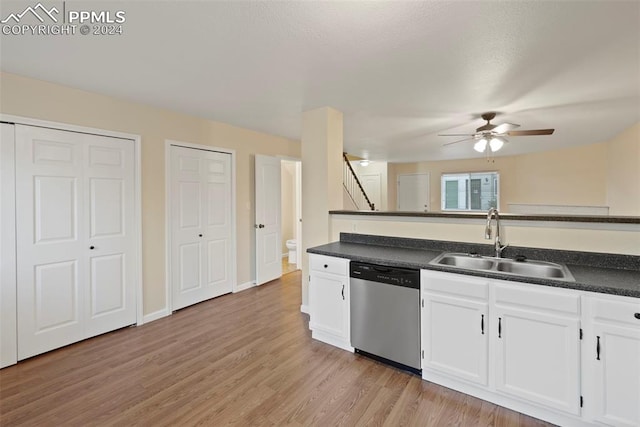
x=385 y=313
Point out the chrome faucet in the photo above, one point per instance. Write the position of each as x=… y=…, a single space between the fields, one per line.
x=487 y=231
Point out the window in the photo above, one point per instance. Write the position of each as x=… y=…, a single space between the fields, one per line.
x=476 y=191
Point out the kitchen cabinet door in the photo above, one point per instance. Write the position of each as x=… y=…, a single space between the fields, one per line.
x=538 y=357
x=329 y=301
x=613 y=360
x=455 y=337
x=328 y=304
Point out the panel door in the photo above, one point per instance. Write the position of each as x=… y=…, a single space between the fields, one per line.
x=109 y=222
x=217 y=236
x=455 y=337
x=371 y=184
x=413 y=192
x=201 y=230
x=537 y=357
x=615 y=355
x=268 y=217
x=75 y=237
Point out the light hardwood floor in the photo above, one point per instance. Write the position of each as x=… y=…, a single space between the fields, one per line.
x=244 y=359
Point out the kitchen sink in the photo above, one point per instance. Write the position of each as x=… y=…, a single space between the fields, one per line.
x=528 y=268
x=533 y=268
x=466 y=261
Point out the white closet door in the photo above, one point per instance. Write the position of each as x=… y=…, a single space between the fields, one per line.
x=217 y=236
x=201 y=225
x=65 y=205
x=109 y=221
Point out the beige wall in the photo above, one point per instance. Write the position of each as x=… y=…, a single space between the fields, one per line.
x=623 y=173
x=588 y=237
x=321 y=180
x=570 y=176
x=46 y=101
x=288 y=202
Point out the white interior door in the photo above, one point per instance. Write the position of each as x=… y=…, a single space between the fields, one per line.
x=201 y=229
x=268 y=215
x=109 y=222
x=371 y=185
x=75 y=237
x=413 y=192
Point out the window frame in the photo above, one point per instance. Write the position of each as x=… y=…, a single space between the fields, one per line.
x=468 y=176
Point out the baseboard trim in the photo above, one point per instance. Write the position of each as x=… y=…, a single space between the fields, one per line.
x=304 y=309
x=244 y=286
x=147 y=318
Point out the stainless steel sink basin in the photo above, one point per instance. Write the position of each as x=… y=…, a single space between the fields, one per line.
x=466 y=261
x=528 y=268
x=533 y=269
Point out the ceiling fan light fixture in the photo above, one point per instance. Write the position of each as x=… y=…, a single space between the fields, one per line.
x=481 y=145
x=496 y=143
x=364 y=162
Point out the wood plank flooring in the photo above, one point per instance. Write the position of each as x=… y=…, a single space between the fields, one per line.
x=241 y=359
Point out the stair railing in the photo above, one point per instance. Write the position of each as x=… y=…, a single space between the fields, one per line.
x=354 y=188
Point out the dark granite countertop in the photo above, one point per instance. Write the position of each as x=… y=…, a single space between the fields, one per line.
x=606 y=219
x=602 y=273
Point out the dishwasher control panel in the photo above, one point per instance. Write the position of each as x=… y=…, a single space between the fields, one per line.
x=383 y=274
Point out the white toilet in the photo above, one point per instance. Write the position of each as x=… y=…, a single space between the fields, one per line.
x=293 y=253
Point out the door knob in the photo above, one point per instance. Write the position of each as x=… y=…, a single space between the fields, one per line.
x=261 y=225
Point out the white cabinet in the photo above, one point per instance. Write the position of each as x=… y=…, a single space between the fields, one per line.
x=329 y=300
x=612 y=359
x=455 y=325
x=514 y=344
x=536 y=332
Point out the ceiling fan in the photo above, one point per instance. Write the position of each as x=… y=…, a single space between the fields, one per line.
x=492 y=137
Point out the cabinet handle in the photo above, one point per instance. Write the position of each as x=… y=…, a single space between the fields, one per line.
x=499 y=327
x=598 y=348
x=92 y=247
x=482 y=323
x=325 y=266
x=637 y=316
x=199 y=235
x=343 y=292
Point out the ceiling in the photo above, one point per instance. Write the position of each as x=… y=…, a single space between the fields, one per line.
x=401 y=72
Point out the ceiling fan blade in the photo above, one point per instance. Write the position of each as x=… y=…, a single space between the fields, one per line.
x=530 y=132
x=456 y=134
x=505 y=127
x=460 y=140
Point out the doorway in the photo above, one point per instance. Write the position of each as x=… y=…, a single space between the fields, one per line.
x=201 y=223
x=413 y=192
x=70 y=229
x=290 y=185
x=277 y=228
